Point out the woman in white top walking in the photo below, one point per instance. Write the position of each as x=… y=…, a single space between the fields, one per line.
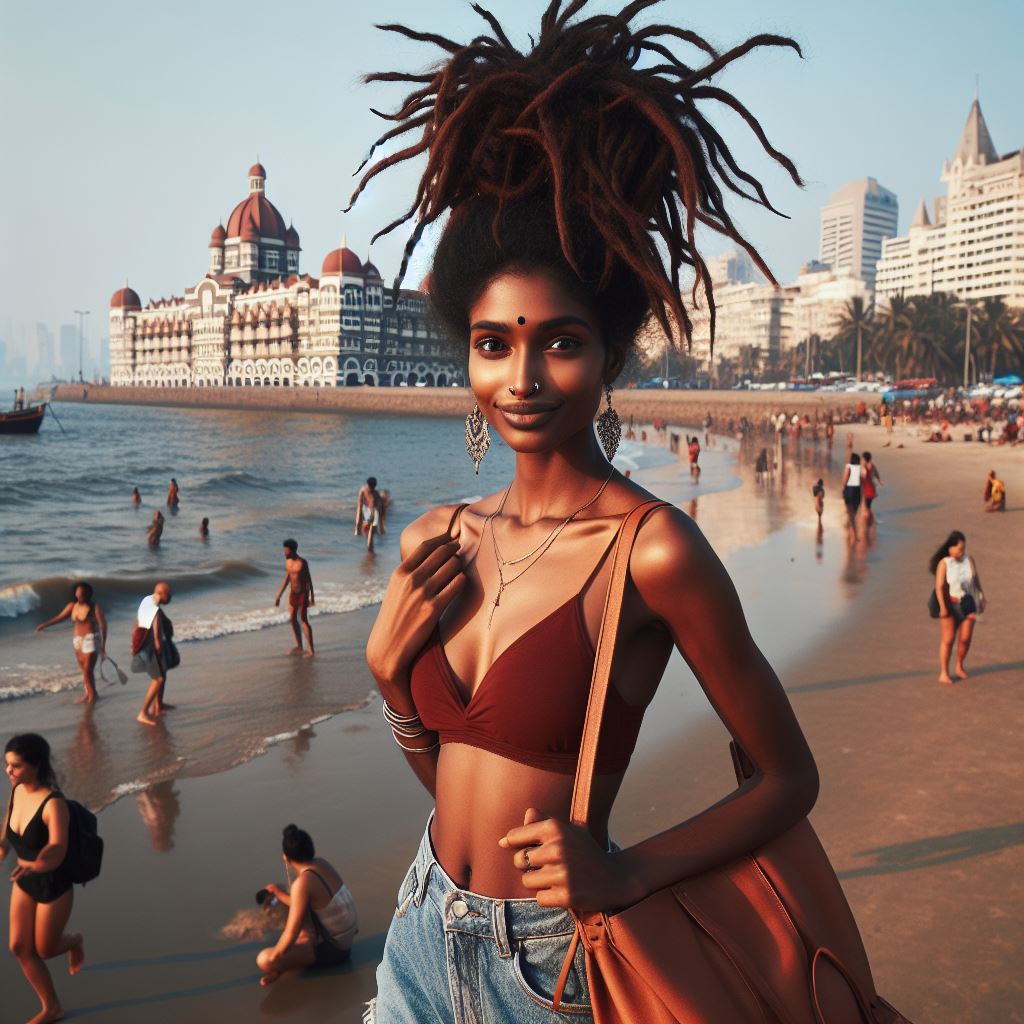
x=960 y=597
x=322 y=919
x=852 y=492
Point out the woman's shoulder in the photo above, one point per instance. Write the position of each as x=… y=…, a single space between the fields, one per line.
x=437 y=520
x=668 y=544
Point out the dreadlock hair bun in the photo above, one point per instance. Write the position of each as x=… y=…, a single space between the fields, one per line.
x=595 y=137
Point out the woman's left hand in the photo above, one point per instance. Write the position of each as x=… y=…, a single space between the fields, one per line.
x=565 y=867
x=25 y=867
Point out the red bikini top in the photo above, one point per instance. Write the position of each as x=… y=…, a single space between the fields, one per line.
x=530 y=704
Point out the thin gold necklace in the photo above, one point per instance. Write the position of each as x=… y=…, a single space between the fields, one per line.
x=539 y=551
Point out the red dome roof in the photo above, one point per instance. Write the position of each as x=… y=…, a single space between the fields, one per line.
x=125 y=298
x=291 y=237
x=257 y=171
x=217 y=237
x=342 y=261
x=259 y=215
x=371 y=271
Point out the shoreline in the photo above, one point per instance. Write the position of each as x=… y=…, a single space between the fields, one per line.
x=928 y=770
x=679 y=407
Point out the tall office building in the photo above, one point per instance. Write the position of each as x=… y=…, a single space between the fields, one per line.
x=853 y=224
x=973 y=244
x=68 y=352
x=46 y=365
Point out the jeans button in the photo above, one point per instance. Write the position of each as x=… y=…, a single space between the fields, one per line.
x=460 y=908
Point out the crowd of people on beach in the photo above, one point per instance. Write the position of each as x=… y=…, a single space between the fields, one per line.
x=321 y=915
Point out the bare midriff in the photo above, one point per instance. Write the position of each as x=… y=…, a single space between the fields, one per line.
x=481 y=796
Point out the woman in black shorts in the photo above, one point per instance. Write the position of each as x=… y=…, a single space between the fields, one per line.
x=36 y=827
x=851 y=492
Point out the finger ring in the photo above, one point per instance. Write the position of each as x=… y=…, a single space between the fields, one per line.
x=526 y=857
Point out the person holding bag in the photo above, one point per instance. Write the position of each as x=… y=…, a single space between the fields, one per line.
x=956 y=602
x=523 y=635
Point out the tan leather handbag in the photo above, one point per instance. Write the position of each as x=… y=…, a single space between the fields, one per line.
x=768 y=938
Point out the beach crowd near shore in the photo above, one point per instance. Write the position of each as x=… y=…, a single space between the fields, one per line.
x=779 y=438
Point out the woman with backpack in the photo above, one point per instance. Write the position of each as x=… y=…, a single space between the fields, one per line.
x=38 y=829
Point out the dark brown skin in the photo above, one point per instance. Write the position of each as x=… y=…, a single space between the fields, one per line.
x=488 y=808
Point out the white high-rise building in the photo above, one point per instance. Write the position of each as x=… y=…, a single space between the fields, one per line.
x=973 y=245
x=853 y=225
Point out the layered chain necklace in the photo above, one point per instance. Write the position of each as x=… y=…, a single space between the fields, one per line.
x=540 y=550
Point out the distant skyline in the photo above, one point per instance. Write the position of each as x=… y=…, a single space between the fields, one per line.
x=130 y=127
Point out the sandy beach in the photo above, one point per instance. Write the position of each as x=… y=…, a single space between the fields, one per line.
x=920 y=807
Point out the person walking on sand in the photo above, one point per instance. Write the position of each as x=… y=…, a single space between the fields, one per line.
x=995 y=493
x=156 y=529
x=89 y=635
x=693 y=450
x=484 y=645
x=818 y=493
x=369 y=511
x=42 y=896
x=322 y=918
x=960 y=599
x=871 y=482
x=761 y=466
x=154 y=652
x=852 y=492
x=300 y=597
x=172 y=495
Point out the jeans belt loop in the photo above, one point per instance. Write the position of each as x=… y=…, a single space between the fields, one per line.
x=500 y=923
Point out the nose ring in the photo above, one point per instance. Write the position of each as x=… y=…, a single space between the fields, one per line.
x=534 y=388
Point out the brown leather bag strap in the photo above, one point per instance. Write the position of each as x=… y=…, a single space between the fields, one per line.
x=601 y=678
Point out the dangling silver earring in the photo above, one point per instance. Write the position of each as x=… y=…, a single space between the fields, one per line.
x=478 y=440
x=609 y=427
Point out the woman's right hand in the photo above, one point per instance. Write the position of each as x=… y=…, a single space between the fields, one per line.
x=420 y=589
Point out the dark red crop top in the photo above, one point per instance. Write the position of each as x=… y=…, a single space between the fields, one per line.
x=531 y=703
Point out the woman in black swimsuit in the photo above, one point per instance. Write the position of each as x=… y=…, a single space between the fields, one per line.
x=36 y=827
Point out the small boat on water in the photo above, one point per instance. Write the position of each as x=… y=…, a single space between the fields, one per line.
x=23 y=421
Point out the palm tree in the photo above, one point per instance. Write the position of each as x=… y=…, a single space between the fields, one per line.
x=856 y=320
x=890 y=337
x=998 y=334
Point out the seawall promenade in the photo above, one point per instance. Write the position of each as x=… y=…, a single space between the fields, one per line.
x=644 y=406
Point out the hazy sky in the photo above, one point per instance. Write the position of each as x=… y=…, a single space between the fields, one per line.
x=128 y=128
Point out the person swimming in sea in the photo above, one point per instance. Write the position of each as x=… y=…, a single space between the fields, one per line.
x=136 y=497
x=156 y=529
x=204 y=528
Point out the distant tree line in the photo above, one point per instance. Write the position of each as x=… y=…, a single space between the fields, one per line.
x=919 y=336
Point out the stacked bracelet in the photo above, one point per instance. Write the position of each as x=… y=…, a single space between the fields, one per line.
x=417 y=750
x=409 y=726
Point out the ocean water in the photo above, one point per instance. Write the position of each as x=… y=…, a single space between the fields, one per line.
x=66 y=516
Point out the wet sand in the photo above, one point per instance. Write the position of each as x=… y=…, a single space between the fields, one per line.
x=919 y=809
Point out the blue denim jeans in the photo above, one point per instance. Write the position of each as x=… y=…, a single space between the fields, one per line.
x=455 y=957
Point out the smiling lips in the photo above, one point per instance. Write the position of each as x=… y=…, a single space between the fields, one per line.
x=526 y=415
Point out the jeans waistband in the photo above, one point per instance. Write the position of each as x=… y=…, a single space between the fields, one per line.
x=502 y=920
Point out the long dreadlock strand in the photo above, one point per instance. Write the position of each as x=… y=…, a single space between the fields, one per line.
x=578 y=120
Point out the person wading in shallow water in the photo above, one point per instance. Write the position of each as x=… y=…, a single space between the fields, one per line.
x=483 y=648
x=300 y=596
x=89 y=635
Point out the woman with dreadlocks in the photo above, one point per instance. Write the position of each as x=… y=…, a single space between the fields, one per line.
x=573 y=177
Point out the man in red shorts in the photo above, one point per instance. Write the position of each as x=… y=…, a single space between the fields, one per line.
x=299 y=598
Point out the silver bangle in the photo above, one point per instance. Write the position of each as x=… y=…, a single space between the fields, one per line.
x=417 y=750
x=409 y=726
